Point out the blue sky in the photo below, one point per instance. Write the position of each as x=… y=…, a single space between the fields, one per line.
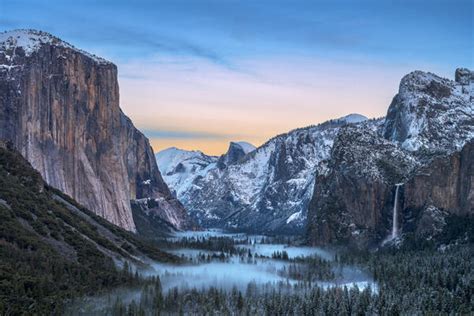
x=202 y=68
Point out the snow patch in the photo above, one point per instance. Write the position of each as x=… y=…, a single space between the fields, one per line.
x=32 y=40
x=294 y=217
x=246 y=147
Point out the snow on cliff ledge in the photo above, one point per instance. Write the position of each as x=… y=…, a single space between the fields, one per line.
x=32 y=40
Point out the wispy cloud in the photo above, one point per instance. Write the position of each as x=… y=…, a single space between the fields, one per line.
x=225 y=32
x=143 y=42
x=127 y=36
x=206 y=70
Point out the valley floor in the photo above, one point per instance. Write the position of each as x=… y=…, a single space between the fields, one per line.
x=234 y=274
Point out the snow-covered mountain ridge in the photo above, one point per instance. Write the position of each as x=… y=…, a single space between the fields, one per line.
x=265 y=189
x=431 y=113
x=269 y=189
x=180 y=167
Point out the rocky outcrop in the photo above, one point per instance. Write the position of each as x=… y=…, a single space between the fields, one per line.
x=430 y=113
x=464 y=76
x=425 y=143
x=60 y=108
x=236 y=151
x=353 y=199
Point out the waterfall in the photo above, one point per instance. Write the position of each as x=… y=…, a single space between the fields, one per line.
x=395 y=212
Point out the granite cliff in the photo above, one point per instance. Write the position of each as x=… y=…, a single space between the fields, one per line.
x=59 y=106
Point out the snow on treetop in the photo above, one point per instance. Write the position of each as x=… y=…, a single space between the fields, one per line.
x=32 y=40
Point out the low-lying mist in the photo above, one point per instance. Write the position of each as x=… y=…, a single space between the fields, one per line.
x=247 y=262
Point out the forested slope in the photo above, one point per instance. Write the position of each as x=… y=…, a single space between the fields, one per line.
x=51 y=248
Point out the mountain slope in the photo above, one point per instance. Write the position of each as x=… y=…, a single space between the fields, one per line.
x=424 y=145
x=265 y=190
x=60 y=107
x=181 y=167
x=52 y=248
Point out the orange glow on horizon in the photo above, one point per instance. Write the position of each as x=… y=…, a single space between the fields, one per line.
x=207 y=106
x=212 y=147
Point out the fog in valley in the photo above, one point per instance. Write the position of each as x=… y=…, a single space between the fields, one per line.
x=244 y=263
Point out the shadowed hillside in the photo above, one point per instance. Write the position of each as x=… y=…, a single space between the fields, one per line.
x=51 y=248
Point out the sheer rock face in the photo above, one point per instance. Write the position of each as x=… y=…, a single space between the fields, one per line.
x=60 y=107
x=425 y=142
x=235 y=153
x=447 y=183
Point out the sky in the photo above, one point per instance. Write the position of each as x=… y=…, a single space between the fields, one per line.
x=199 y=74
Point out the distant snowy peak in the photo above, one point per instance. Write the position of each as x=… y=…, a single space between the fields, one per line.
x=236 y=152
x=31 y=41
x=180 y=167
x=169 y=159
x=353 y=118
